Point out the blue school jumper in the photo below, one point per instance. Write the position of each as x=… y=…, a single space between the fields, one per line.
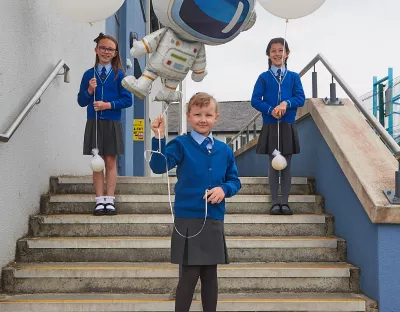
x=265 y=95
x=198 y=169
x=109 y=90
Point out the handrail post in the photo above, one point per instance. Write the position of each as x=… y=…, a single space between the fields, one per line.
x=65 y=73
x=314 y=84
x=394 y=195
x=333 y=100
x=397 y=185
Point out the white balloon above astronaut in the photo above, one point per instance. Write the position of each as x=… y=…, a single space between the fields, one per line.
x=179 y=46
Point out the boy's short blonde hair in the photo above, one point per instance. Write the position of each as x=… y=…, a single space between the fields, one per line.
x=201 y=99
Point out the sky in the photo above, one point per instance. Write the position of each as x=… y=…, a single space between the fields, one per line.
x=358 y=38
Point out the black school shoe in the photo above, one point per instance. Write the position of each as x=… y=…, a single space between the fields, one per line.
x=286 y=210
x=275 y=210
x=110 y=209
x=99 y=211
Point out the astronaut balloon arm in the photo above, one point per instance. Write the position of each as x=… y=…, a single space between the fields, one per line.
x=148 y=44
x=199 y=70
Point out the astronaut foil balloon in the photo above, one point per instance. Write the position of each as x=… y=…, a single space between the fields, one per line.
x=179 y=47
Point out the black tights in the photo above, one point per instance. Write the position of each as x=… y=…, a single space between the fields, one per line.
x=187 y=284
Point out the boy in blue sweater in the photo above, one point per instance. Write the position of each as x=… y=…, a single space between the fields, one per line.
x=206 y=171
x=277 y=94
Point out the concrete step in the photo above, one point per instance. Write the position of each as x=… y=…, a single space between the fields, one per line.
x=163 y=277
x=276 y=302
x=157 y=249
x=161 y=225
x=158 y=186
x=247 y=204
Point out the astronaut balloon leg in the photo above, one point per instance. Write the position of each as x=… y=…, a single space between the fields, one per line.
x=140 y=87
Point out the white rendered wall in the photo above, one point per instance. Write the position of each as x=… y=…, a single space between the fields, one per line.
x=34 y=37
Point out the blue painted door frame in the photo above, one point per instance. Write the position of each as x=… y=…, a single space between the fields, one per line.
x=130 y=18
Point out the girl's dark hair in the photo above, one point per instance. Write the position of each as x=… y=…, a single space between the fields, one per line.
x=116 y=60
x=281 y=41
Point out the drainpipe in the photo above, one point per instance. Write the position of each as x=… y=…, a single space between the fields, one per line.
x=147 y=110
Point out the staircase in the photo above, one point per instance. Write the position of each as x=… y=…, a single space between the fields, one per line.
x=73 y=261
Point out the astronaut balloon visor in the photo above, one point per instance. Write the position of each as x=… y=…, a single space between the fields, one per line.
x=214 y=21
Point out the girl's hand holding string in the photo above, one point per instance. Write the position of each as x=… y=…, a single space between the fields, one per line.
x=280 y=110
x=215 y=195
x=274 y=114
x=158 y=127
x=92 y=85
x=100 y=105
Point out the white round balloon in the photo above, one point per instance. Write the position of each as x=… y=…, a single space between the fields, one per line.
x=88 y=11
x=291 y=9
x=278 y=162
x=97 y=164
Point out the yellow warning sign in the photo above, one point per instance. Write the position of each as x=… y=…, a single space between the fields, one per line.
x=138 y=130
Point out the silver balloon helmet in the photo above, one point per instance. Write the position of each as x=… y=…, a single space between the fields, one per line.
x=212 y=22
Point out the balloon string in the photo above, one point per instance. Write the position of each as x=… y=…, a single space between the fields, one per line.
x=278 y=135
x=281 y=73
x=169 y=188
x=94 y=100
x=284 y=41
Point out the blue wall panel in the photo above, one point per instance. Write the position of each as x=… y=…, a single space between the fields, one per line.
x=371 y=247
x=389 y=267
x=130 y=19
x=351 y=221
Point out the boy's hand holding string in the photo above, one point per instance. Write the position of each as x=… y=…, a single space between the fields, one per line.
x=158 y=127
x=215 y=195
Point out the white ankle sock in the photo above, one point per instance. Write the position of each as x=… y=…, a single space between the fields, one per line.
x=109 y=200
x=100 y=200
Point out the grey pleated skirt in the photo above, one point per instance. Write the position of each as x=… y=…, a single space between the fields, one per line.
x=109 y=137
x=288 y=140
x=207 y=248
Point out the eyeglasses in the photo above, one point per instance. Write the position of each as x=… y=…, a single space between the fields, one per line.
x=108 y=50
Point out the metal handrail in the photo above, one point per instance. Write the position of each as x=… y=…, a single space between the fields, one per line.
x=36 y=99
x=385 y=136
x=387 y=139
x=244 y=128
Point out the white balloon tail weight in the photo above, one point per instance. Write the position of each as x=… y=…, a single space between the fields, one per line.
x=88 y=11
x=291 y=9
x=97 y=163
x=278 y=162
